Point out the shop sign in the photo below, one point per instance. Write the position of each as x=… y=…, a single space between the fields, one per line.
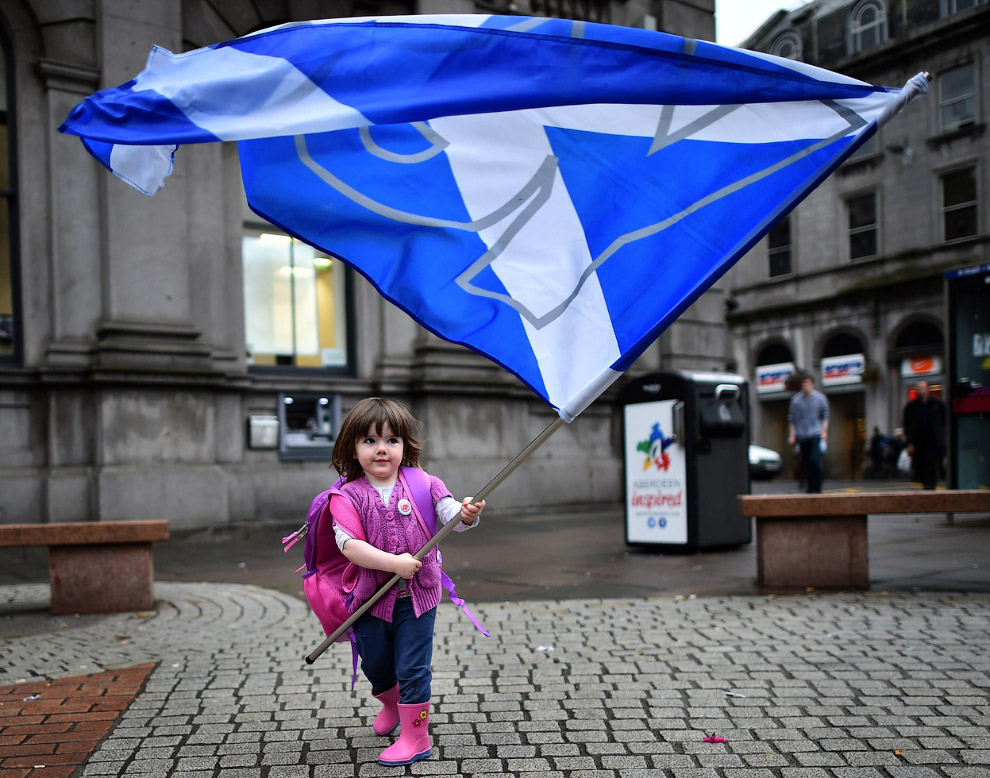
x=773 y=378
x=916 y=367
x=843 y=370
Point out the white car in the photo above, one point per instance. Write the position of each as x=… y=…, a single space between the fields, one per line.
x=763 y=462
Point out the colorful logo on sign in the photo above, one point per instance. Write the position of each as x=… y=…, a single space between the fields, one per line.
x=773 y=378
x=921 y=365
x=843 y=370
x=655 y=449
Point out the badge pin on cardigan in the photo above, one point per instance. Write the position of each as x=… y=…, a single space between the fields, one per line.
x=442 y=533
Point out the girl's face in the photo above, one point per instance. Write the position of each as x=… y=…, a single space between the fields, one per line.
x=380 y=455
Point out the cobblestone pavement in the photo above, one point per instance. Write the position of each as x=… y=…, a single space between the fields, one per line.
x=801 y=686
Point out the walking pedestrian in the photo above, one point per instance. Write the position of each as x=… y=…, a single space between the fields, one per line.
x=924 y=427
x=876 y=453
x=808 y=425
x=897 y=460
x=395 y=637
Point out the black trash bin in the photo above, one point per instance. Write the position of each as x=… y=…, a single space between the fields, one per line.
x=686 y=439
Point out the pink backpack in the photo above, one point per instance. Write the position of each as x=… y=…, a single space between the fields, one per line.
x=329 y=576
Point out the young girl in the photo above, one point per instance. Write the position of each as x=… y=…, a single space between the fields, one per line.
x=395 y=636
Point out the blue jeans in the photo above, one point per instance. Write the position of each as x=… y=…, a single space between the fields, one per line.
x=811 y=460
x=398 y=652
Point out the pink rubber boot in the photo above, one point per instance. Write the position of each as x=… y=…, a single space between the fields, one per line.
x=388 y=717
x=414 y=739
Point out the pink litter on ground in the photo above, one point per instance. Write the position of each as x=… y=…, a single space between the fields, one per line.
x=713 y=739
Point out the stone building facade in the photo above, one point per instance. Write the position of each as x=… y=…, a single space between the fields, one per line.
x=175 y=357
x=849 y=287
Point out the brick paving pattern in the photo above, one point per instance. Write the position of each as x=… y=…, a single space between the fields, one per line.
x=814 y=685
x=48 y=728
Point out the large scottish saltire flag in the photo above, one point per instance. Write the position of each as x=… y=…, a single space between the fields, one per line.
x=551 y=193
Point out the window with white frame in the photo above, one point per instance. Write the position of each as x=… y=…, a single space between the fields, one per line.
x=9 y=337
x=779 y=248
x=960 y=207
x=788 y=45
x=294 y=303
x=957 y=97
x=864 y=227
x=868 y=25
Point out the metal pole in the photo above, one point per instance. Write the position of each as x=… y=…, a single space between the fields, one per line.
x=441 y=534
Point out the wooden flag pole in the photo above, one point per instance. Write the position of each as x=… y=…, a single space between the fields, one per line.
x=441 y=534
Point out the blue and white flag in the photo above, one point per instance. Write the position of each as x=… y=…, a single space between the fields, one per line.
x=550 y=193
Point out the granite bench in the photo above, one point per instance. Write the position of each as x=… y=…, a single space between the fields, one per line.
x=94 y=566
x=819 y=540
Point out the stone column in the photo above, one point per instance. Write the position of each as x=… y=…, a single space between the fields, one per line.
x=146 y=322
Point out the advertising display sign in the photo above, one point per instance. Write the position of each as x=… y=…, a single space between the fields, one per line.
x=847 y=369
x=656 y=503
x=773 y=378
x=969 y=377
x=918 y=367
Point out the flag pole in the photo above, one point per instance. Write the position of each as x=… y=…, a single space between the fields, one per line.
x=441 y=534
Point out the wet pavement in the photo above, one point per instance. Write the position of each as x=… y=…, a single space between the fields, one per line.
x=580 y=554
x=604 y=661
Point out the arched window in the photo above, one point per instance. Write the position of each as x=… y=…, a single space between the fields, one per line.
x=868 y=25
x=841 y=344
x=843 y=361
x=920 y=335
x=774 y=353
x=787 y=44
x=774 y=367
x=918 y=350
x=10 y=336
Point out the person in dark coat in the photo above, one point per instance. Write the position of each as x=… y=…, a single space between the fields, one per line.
x=924 y=428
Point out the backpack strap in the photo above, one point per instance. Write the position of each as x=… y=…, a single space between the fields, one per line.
x=341 y=510
x=448 y=584
x=419 y=492
x=417 y=485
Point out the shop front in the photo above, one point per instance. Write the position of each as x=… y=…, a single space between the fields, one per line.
x=842 y=383
x=774 y=398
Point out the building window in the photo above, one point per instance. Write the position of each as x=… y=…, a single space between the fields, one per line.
x=950 y=7
x=787 y=45
x=779 y=243
x=868 y=26
x=959 y=204
x=863 y=226
x=957 y=97
x=582 y=10
x=295 y=303
x=9 y=319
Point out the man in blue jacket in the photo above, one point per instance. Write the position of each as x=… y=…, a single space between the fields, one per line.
x=808 y=422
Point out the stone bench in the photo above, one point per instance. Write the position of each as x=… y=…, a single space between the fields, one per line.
x=819 y=540
x=97 y=566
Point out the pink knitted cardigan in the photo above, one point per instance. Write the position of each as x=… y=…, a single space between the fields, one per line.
x=387 y=529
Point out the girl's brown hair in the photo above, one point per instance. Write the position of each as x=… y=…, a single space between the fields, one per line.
x=374 y=412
